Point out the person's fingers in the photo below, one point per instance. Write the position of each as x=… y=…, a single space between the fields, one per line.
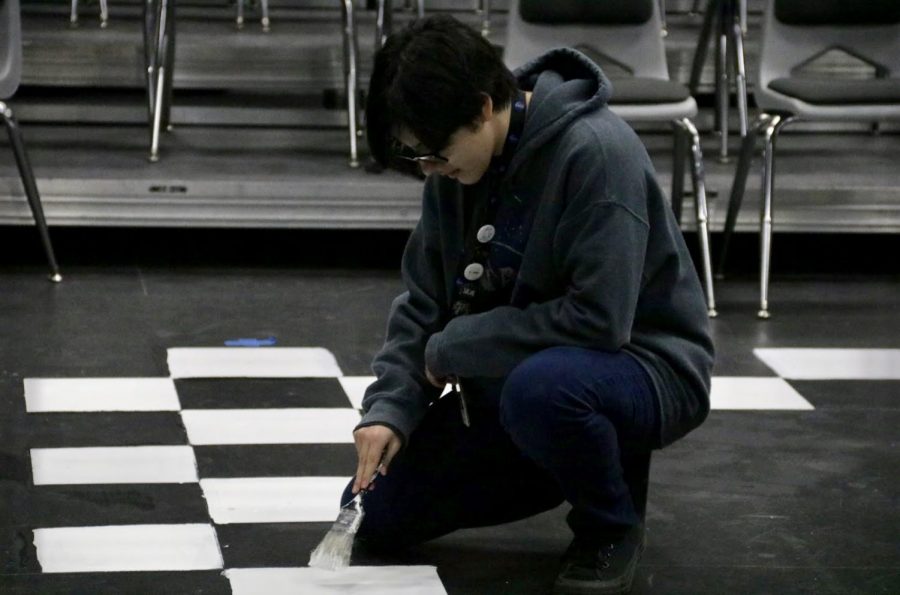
x=393 y=448
x=362 y=448
x=371 y=462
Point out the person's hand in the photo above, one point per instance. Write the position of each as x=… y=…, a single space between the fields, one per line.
x=438 y=382
x=375 y=446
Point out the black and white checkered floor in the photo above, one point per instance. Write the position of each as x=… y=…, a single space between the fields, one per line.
x=140 y=453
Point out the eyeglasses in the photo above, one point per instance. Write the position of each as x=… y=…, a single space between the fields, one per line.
x=405 y=153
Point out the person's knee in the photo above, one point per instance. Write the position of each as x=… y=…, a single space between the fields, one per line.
x=534 y=397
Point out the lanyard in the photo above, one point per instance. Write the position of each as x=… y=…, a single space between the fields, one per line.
x=481 y=230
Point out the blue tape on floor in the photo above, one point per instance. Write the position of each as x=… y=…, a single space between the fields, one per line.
x=250 y=342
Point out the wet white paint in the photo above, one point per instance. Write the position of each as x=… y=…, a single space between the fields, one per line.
x=273 y=499
x=100 y=394
x=367 y=580
x=270 y=426
x=833 y=364
x=114 y=465
x=748 y=393
x=252 y=362
x=128 y=548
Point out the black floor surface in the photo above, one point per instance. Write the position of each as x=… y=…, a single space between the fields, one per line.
x=752 y=502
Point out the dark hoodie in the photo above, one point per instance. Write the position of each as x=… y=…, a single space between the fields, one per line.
x=605 y=266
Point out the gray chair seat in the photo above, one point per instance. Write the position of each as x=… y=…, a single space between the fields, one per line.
x=647 y=90
x=829 y=91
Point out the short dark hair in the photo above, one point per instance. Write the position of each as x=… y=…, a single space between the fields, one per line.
x=430 y=79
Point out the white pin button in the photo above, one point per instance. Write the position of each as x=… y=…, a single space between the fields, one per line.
x=485 y=234
x=473 y=272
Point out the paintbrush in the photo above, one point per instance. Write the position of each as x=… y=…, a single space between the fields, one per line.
x=333 y=553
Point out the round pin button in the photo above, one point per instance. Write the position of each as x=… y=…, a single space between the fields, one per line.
x=485 y=234
x=473 y=272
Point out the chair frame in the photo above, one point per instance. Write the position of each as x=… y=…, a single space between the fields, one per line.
x=729 y=18
x=159 y=55
x=784 y=48
x=10 y=76
x=645 y=57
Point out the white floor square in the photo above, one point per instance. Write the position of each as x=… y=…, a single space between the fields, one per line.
x=273 y=499
x=252 y=362
x=270 y=426
x=744 y=393
x=832 y=364
x=361 y=580
x=114 y=465
x=119 y=548
x=100 y=394
x=355 y=387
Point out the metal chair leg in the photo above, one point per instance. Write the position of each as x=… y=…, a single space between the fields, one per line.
x=239 y=19
x=264 y=6
x=383 y=24
x=169 y=63
x=30 y=186
x=740 y=75
x=159 y=77
x=662 y=17
x=351 y=59
x=104 y=14
x=748 y=146
x=722 y=86
x=73 y=16
x=485 y=18
x=420 y=9
x=765 y=217
x=679 y=152
x=702 y=211
x=709 y=18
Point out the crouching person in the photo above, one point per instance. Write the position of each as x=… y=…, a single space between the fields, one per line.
x=548 y=283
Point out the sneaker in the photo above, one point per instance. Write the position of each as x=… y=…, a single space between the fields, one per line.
x=600 y=565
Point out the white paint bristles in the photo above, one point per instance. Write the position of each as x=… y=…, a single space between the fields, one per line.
x=333 y=553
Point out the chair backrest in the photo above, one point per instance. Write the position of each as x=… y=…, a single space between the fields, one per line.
x=10 y=48
x=797 y=31
x=624 y=34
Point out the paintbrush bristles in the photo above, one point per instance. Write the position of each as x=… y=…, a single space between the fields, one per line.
x=333 y=553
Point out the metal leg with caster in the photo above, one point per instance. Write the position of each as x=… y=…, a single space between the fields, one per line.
x=351 y=76
x=776 y=124
x=30 y=186
x=159 y=54
x=698 y=179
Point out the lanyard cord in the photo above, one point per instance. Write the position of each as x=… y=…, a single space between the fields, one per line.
x=478 y=250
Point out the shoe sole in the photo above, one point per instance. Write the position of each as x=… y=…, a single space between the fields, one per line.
x=566 y=587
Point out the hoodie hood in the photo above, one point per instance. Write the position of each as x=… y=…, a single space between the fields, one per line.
x=565 y=84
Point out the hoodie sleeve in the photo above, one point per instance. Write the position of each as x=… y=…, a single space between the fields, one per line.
x=599 y=249
x=401 y=393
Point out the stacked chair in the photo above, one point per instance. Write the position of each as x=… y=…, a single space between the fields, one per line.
x=159 y=43
x=727 y=21
x=10 y=75
x=625 y=38
x=795 y=33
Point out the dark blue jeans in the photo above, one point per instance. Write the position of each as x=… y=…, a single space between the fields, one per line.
x=569 y=424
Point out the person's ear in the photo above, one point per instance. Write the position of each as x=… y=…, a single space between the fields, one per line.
x=487 y=107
